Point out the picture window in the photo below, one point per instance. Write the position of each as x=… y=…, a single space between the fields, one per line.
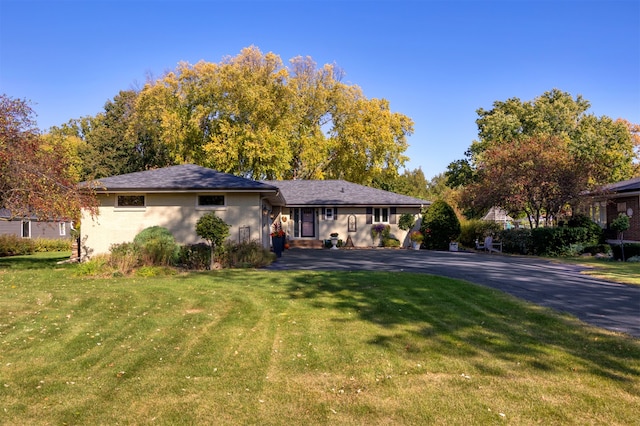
x=130 y=201
x=210 y=200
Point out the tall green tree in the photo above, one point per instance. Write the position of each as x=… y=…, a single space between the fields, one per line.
x=113 y=143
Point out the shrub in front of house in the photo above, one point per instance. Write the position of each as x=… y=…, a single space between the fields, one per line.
x=570 y=240
x=157 y=246
x=597 y=249
x=630 y=250
x=194 y=256
x=391 y=242
x=516 y=241
x=248 y=254
x=12 y=245
x=440 y=226
x=125 y=257
x=560 y=241
x=593 y=232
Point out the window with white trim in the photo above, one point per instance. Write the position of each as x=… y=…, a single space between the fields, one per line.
x=330 y=213
x=62 y=227
x=380 y=215
x=26 y=229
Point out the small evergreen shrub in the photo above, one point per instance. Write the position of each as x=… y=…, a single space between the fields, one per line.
x=12 y=245
x=391 y=242
x=440 y=226
x=157 y=246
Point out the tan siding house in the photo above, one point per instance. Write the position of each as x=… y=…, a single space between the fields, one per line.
x=176 y=197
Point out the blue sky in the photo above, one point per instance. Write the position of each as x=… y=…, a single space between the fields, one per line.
x=435 y=61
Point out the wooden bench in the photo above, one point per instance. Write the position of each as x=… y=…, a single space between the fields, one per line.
x=489 y=245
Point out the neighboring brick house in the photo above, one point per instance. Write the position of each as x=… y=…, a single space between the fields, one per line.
x=613 y=199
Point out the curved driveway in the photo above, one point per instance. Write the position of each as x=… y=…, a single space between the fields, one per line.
x=559 y=286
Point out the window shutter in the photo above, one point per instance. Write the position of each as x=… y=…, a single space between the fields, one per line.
x=324 y=214
x=335 y=213
x=392 y=216
x=369 y=215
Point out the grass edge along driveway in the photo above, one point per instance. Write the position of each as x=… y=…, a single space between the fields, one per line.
x=271 y=348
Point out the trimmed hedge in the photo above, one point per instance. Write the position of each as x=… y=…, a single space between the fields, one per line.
x=557 y=241
x=12 y=245
x=630 y=250
x=517 y=241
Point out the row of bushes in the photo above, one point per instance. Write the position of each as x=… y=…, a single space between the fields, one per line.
x=558 y=241
x=156 y=247
x=12 y=245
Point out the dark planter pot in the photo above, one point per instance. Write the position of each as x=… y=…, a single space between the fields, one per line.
x=278 y=245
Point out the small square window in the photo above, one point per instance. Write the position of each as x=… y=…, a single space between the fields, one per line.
x=130 y=201
x=210 y=200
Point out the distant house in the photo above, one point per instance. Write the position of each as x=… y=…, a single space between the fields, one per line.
x=32 y=227
x=611 y=200
x=176 y=197
x=498 y=215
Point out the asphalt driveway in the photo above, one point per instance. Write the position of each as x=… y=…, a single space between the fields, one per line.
x=561 y=287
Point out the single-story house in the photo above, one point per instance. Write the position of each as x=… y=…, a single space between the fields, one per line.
x=607 y=203
x=32 y=227
x=315 y=209
x=176 y=197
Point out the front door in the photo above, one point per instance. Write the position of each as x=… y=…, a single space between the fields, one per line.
x=308 y=223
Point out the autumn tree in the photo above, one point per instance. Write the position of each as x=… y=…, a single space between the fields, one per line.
x=536 y=176
x=252 y=116
x=599 y=149
x=37 y=177
x=634 y=131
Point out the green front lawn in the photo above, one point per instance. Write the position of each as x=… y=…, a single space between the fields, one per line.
x=281 y=348
x=620 y=272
